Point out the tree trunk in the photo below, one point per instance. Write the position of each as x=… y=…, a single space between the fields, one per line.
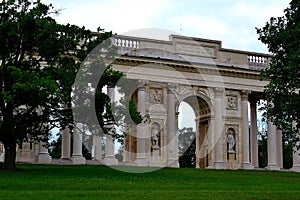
x=10 y=157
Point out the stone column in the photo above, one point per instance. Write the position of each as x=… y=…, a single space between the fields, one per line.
x=109 y=151
x=279 y=148
x=43 y=155
x=172 y=160
x=110 y=145
x=141 y=128
x=197 y=152
x=126 y=145
x=217 y=137
x=77 y=157
x=296 y=155
x=66 y=144
x=272 y=147
x=245 y=131
x=97 y=147
x=296 y=160
x=254 y=131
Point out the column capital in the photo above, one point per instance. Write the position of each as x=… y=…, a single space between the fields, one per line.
x=142 y=84
x=171 y=87
x=218 y=92
x=245 y=94
x=253 y=99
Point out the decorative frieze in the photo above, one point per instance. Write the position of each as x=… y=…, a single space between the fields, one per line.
x=156 y=95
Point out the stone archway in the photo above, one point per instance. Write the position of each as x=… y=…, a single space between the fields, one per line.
x=202 y=108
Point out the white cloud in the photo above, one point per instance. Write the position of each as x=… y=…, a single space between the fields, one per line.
x=115 y=15
x=232 y=21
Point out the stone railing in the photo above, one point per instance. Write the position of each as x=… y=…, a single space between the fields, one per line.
x=193 y=51
x=258 y=62
x=127 y=43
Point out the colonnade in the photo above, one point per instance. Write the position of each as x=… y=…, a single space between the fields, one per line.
x=77 y=156
x=249 y=141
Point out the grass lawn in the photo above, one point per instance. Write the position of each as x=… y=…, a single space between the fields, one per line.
x=101 y=182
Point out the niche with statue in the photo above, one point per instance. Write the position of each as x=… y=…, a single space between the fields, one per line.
x=231 y=143
x=155 y=137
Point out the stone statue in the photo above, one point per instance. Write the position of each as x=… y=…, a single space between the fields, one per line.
x=230 y=141
x=154 y=137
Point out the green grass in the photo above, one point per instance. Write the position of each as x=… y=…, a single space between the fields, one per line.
x=101 y=182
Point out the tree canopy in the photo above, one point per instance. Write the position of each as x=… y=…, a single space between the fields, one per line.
x=282 y=36
x=39 y=60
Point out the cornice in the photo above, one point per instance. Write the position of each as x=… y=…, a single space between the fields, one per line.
x=229 y=71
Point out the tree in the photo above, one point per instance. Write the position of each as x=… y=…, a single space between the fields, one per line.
x=282 y=93
x=262 y=149
x=39 y=62
x=187 y=148
x=28 y=37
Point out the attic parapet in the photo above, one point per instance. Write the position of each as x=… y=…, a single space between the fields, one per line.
x=193 y=50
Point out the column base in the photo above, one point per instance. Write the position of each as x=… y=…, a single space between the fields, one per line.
x=218 y=165
x=65 y=157
x=64 y=161
x=173 y=163
x=143 y=162
x=247 y=166
x=296 y=168
x=44 y=158
x=273 y=167
x=110 y=160
x=78 y=160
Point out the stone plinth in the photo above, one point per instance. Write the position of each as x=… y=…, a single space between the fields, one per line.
x=110 y=160
x=78 y=160
x=231 y=160
x=273 y=166
x=155 y=160
x=44 y=158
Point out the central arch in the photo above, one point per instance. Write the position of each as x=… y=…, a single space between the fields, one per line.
x=202 y=109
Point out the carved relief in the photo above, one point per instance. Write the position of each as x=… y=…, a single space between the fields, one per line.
x=231 y=102
x=182 y=89
x=156 y=95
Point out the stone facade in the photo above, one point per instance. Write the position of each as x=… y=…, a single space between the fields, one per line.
x=217 y=83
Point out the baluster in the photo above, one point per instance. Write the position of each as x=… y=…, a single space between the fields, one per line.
x=134 y=44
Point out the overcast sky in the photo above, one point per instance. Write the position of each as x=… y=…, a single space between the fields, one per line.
x=231 y=21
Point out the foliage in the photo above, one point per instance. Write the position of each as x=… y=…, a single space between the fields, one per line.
x=29 y=38
x=94 y=182
x=40 y=60
x=287 y=147
x=187 y=148
x=262 y=149
x=282 y=93
x=55 y=147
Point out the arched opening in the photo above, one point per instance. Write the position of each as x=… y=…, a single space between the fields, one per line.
x=186 y=136
x=193 y=126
